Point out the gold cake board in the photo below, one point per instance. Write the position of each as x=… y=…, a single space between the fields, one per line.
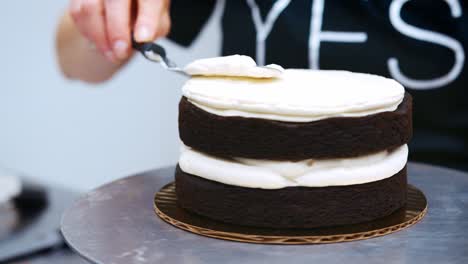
x=165 y=205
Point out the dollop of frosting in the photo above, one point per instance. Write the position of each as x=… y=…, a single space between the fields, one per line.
x=296 y=95
x=235 y=66
x=267 y=174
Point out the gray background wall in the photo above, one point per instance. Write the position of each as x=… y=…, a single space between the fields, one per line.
x=77 y=135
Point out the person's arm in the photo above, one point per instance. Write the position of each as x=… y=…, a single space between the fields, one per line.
x=93 y=39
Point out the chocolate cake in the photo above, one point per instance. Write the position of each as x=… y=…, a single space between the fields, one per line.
x=275 y=148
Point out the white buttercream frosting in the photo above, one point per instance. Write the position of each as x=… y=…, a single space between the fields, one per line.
x=10 y=187
x=235 y=65
x=267 y=174
x=296 y=95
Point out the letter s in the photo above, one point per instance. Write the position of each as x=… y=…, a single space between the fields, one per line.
x=429 y=36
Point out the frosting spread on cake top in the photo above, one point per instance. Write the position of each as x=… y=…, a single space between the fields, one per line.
x=235 y=65
x=267 y=174
x=295 y=95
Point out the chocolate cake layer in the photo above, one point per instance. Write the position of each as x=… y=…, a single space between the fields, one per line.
x=291 y=207
x=277 y=140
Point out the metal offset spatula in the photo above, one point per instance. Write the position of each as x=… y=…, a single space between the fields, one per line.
x=157 y=53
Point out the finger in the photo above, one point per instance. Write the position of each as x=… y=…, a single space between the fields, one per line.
x=75 y=13
x=164 y=27
x=93 y=22
x=148 y=19
x=75 y=9
x=88 y=19
x=118 y=26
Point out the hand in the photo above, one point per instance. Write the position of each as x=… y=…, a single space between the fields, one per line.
x=108 y=23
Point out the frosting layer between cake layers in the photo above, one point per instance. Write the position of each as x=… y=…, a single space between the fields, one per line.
x=267 y=174
x=296 y=95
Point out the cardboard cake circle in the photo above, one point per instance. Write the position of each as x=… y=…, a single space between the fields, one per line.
x=165 y=206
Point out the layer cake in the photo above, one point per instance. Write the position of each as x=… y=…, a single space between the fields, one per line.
x=293 y=148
